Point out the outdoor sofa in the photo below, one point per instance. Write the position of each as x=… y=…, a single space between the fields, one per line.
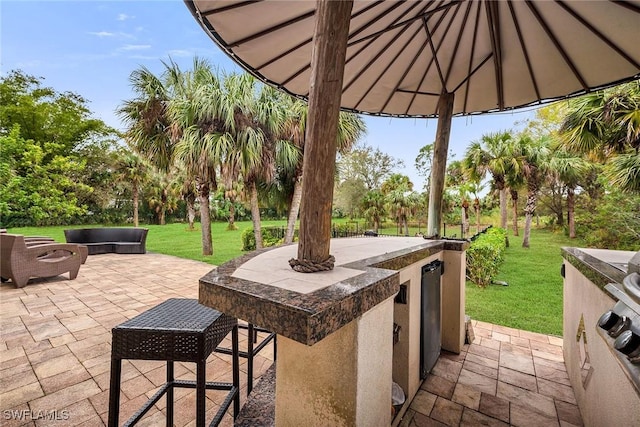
x=20 y=261
x=102 y=240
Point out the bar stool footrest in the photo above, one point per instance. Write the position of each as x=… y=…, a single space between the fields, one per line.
x=210 y=385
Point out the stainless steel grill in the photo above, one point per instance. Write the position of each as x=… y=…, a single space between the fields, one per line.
x=620 y=326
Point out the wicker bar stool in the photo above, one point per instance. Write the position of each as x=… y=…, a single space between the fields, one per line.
x=177 y=330
x=253 y=348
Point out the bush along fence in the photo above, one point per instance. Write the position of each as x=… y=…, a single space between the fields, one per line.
x=485 y=255
x=272 y=236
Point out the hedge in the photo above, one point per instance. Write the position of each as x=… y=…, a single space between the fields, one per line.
x=485 y=255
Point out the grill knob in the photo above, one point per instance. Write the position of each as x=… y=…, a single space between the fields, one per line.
x=608 y=320
x=628 y=343
x=614 y=323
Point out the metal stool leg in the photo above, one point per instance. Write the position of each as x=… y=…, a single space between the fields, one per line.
x=170 y=380
x=235 y=366
x=250 y=338
x=201 y=388
x=114 y=392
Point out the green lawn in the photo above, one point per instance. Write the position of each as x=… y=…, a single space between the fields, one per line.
x=174 y=239
x=532 y=301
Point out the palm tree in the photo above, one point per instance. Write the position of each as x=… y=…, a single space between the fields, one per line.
x=134 y=170
x=491 y=154
x=146 y=118
x=514 y=178
x=569 y=169
x=624 y=171
x=536 y=153
x=162 y=194
x=252 y=151
x=373 y=204
x=606 y=125
x=231 y=187
x=199 y=114
x=350 y=129
x=475 y=188
x=401 y=199
x=606 y=122
x=189 y=194
x=402 y=205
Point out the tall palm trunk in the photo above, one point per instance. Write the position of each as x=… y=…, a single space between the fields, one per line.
x=406 y=224
x=529 y=209
x=465 y=221
x=255 y=215
x=232 y=214
x=163 y=207
x=514 y=199
x=503 y=208
x=205 y=218
x=571 y=205
x=136 y=196
x=293 y=210
x=191 y=213
x=476 y=206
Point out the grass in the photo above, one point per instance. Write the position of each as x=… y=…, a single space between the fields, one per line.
x=533 y=298
x=174 y=239
x=532 y=301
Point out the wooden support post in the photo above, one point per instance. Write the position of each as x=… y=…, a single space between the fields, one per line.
x=325 y=93
x=439 y=166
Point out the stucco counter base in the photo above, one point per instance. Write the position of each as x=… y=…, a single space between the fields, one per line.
x=335 y=347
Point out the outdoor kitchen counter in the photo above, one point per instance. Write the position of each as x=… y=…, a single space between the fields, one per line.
x=261 y=288
x=600 y=266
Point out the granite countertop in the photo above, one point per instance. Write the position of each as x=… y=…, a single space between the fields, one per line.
x=261 y=288
x=600 y=266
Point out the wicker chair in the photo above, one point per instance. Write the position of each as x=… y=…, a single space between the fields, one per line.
x=41 y=240
x=19 y=262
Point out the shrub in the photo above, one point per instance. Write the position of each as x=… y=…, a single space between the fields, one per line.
x=485 y=255
x=271 y=236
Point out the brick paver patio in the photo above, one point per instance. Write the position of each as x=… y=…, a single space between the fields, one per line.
x=505 y=377
x=56 y=342
x=55 y=346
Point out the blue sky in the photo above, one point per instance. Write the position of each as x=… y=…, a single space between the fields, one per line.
x=91 y=48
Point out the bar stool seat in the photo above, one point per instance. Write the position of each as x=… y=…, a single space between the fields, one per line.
x=177 y=330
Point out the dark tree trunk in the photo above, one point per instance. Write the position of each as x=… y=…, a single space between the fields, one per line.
x=135 y=204
x=530 y=208
x=205 y=218
x=255 y=215
x=503 y=208
x=294 y=209
x=191 y=213
x=571 y=206
x=514 y=199
x=232 y=216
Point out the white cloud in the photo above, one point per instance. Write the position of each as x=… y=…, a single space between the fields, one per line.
x=128 y=47
x=102 y=34
x=108 y=34
x=180 y=52
x=124 y=17
x=143 y=57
